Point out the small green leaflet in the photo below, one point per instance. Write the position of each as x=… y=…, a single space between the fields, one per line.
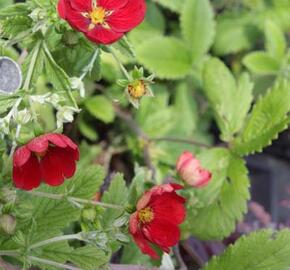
x=228 y=207
x=230 y=99
x=260 y=250
x=197 y=18
x=268 y=117
x=167 y=57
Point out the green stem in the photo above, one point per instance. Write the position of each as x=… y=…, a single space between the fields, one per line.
x=178 y=140
x=76 y=236
x=52 y=263
x=68 y=90
x=90 y=65
x=11 y=253
x=123 y=69
x=74 y=199
x=32 y=66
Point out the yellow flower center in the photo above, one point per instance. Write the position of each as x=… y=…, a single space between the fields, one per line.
x=98 y=15
x=137 y=89
x=146 y=215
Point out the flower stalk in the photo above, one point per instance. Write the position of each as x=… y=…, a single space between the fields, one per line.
x=74 y=199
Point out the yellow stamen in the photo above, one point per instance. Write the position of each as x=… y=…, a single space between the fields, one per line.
x=137 y=89
x=146 y=215
x=98 y=15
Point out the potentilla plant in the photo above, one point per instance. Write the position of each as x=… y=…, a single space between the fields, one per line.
x=62 y=206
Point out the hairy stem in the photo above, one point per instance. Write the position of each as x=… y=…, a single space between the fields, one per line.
x=123 y=69
x=90 y=66
x=52 y=263
x=32 y=66
x=74 y=199
x=178 y=140
x=76 y=236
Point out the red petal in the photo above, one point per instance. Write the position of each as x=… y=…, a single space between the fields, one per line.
x=128 y=17
x=21 y=156
x=169 y=207
x=144 y=245
x=56 y=139
x=81 y=5
x=38 y=144
x=101 y=35
x=162 y=233
x=61 y=8
x=112 y=4
x=57 y=165
x=27 y=176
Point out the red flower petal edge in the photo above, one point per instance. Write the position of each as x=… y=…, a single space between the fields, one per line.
x=190 y=170
x=102 y=21
x=159 y=212
x=50 y=158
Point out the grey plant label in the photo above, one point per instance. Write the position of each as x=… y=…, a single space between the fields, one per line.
x=10 y=75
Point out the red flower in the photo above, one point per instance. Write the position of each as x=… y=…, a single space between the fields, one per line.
x=191 y=172
x=103 y=21
x=50 y=157
x=159 y=212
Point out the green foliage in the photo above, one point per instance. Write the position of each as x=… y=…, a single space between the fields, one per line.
x=116 y=194
x=259 y=250
x=171 y=4
x=230 y=100
x=230 y=181
x=197 y=19
x=101 y=108
x=167 y=57
x=261 y=63
x=268 y=117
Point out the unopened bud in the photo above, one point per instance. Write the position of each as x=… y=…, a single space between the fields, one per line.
x=89 y=214
x=7 y=224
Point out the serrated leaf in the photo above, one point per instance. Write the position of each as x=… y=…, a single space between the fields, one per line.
x=267 y=119
x=227 y=209
x=198 y=27
x=230 y=100
x=261 y=63
x=260 y=250
x=275 y=40
x=101 y=108
x=50 y=216
x=116 y=194
x=6 y=102
x=167 y=57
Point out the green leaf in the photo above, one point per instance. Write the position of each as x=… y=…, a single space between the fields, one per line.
x=6 y=102
x=14 y=10
x=36 y=57
x=267 y=119
x=227 y=209
x=261 y=63
x=116 y=194
x=167 y=57
x=230 y=100
x=198 y=27
x=87 y=257
x=235 y=33
x=260 y=250
x=55 y=74
x=50 y=216
x=275 y=40
x=153 y=25
x=101 y=108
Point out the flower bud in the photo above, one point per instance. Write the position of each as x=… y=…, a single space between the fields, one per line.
x=190 y=170
x=89 y=214
x=7 y=224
